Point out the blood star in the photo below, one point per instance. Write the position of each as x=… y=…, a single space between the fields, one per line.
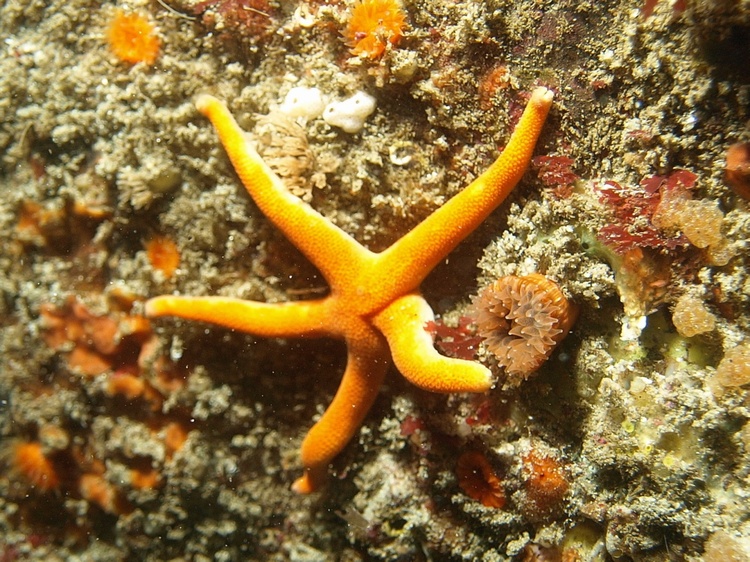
x=374 y=303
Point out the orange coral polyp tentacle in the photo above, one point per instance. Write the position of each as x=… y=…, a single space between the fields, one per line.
x=373 y=25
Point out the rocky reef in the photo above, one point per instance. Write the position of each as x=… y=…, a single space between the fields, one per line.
x=127 y=438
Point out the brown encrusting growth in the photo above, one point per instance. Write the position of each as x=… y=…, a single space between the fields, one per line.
x=522 y=320
x=737 y=169
x=545 y=484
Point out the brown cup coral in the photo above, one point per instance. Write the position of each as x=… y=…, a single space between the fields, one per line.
x=522 y=320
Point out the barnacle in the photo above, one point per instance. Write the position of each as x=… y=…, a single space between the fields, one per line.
x=284 y=147
x=373 y=25
x=522 y=320
x=132 y=39
x=477 y=479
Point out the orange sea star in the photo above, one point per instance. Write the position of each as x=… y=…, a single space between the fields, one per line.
x=374 y=303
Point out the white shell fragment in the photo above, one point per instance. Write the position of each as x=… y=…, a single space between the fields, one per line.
x=350 y=114
x=303 y=102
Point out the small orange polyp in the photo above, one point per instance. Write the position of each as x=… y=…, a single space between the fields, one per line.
x=373 y=25
x=125 y=384
x=132 y=38
x=30 y=462
x=163 y=255
x=144 y=479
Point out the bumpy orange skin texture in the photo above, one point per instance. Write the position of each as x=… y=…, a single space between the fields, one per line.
x=373 y=25
x=374 y=303
x=132 y=38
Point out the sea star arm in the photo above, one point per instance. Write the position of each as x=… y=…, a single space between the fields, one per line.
x=408 y=261
x=374 y=302
x=327 y=246
x=403 y=325
x=273 y=320
x=367 y=363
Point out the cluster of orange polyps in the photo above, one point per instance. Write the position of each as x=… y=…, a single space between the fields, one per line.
x=53 y=462
x=117 y=345
x=97 y=343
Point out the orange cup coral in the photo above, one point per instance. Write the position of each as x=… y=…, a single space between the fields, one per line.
x=95 y=489
x=522 y=320
x=132 y=38
x=373 y=25
x=29 y=461
x=478 y=481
